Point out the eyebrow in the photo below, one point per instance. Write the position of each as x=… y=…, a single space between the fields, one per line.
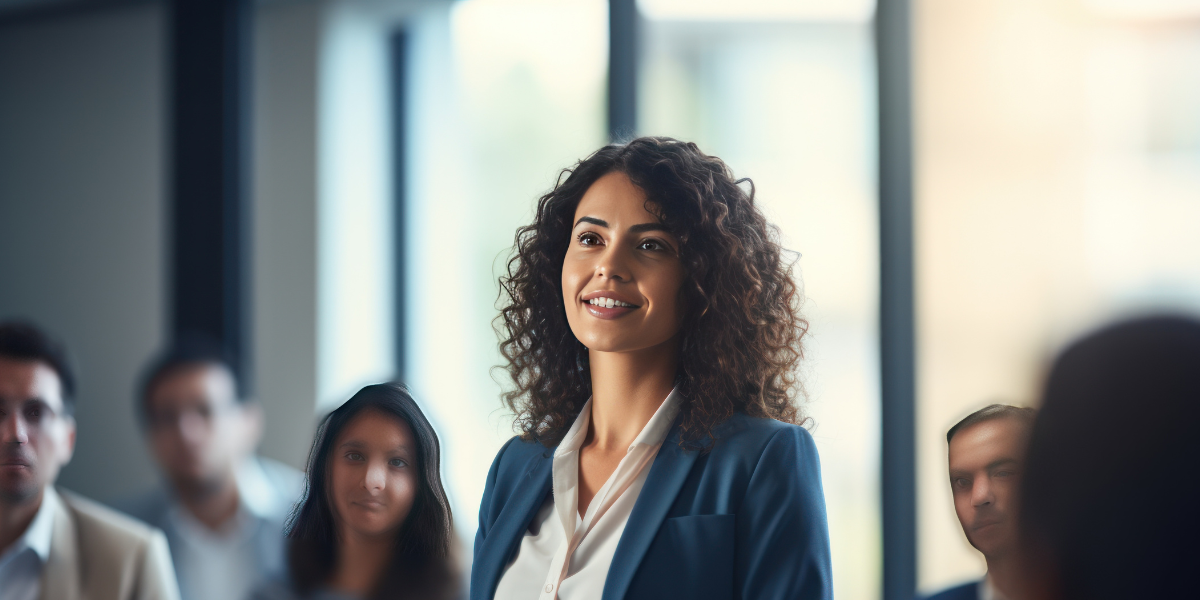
x=362 y=444
x=40 y=402
x=992 y=465
x=639 y=228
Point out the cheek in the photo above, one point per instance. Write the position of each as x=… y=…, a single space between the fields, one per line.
x=404 y=492
x=666 y=294
x=574 y=276
x=962 y=503
x=341 y=483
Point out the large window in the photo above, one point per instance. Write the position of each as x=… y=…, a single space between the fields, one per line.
x=786 y=96
x=1058 y=170
x=505 y=94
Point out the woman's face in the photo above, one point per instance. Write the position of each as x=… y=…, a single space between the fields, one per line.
x=373 y=474
x=622 y=273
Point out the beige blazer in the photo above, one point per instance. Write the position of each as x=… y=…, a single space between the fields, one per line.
x=99 y=554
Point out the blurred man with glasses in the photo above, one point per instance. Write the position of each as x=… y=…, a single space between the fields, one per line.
x=222 y=506
x=54 y=544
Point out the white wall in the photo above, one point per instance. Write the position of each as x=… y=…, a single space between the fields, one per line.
x=84 y=245
x=82 y=242
x=285 y=74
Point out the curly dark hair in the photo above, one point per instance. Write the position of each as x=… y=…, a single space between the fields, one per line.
x=740 y=338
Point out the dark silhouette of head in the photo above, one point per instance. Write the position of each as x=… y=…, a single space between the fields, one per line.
x=1108 y=504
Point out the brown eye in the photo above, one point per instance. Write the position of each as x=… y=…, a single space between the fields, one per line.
x=653 y=246
x=588 y=238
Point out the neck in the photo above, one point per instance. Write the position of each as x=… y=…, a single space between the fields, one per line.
x=15 y=518
x=1001 y=569
x=361 y=562
x=627 y=388
x=213 y=503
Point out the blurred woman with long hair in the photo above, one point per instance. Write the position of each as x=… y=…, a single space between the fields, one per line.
x=375 y=522
x=652 y=335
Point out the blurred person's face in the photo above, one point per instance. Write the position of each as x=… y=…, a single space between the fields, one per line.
x=985 y=468
x=198 y=429
x=622 y=273
x=36 y=435
x=373 y=474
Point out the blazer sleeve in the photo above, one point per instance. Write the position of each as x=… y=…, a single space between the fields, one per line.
x=782 y=531
x=157 y=578
x=486 y=512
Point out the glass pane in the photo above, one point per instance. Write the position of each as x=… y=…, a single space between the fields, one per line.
x=790 y=103
x=507 y=93
x=1058 y=172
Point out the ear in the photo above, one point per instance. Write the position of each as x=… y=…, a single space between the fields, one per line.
x=69 y=442
x=252 y=425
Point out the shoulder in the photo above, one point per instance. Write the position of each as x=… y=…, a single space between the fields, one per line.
x=515 y=464
x=285 y=478
x=104 y=532
x=518 y=455
x=966 y=591
x=149 y=507
x=270 y=488
x=274 y=590
x=744 y=438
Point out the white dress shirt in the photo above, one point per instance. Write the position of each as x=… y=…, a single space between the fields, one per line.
x=565 y=555
x=988 y=591
x=21 y=563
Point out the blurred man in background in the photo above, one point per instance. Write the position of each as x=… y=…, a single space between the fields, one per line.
x=986 y=456
x=58 y=545
x=222 y=507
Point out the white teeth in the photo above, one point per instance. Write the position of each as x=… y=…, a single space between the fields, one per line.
x=609 y=303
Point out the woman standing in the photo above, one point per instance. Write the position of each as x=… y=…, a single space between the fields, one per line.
x=375 y=522
x=652 y=334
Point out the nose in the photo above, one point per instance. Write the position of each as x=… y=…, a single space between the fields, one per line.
x=192 y=427
x=613 y=264
x=375 y=477
x=981 y=493
x=14 y=430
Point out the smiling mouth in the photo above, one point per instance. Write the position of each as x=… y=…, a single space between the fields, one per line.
x=603 y=302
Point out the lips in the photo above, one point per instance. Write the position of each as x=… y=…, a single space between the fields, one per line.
x=985 y=524
x=606 y=304
x=15 y=461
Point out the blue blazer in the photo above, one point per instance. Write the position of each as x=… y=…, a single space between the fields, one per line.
x=966 y=591
x=745 y=520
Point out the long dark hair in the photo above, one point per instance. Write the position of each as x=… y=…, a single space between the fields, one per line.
x=421 y=562
x=741 y=336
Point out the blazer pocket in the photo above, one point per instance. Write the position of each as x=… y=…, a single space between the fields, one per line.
x=692 y=557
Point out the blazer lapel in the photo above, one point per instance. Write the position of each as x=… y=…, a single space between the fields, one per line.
x=511 y=524
x=666 y=477
x=60 y=574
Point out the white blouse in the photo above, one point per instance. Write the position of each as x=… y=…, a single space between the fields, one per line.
x=567 y=556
